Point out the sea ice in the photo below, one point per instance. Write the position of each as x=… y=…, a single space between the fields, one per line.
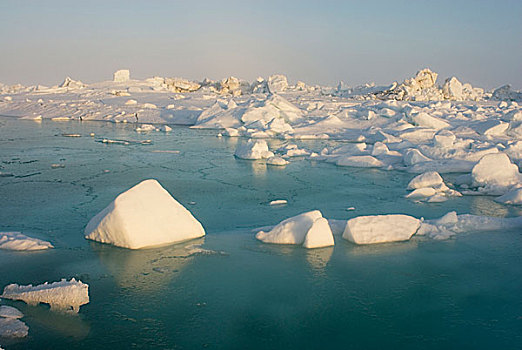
x=380 y=228
x=19 y=241
x=63 y=295
x=144 y=216
x=296 y=229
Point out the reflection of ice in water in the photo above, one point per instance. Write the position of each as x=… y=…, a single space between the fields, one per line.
x=66 y=325
x=381 y=248
x=258 y=168
x=487 y=207
x=319 y=258
x=147 y=270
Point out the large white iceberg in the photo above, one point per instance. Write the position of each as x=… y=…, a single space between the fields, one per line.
x=380 y=228
x=63 y=295
x=19 y=241
x=144 y=216
x=309 y=229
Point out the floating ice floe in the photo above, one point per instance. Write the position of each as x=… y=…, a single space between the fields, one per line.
x=278 y=202
x=19 y=241
x=452 y=224
x=10 y=312
x=12 y=328
x=309 y=229
x=430 y=187
x=253 y=149
x=380 y=228
x=64 y=295
x=144 y=216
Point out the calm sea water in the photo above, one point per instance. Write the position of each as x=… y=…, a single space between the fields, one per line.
x=460 y=293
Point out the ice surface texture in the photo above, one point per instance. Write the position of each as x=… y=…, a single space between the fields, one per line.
x=19 y=241
x=380 y=228
x=64 y=295
x=144 y=216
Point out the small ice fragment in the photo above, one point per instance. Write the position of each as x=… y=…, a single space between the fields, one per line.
x=57 y=165
x=279 y=202
x=91 y=134
x=164 y=151
x=71 y=135
x=131 y=102
x=19 y=241
x=10 y=312
x=350 y=209
x=277 y=161
x=63 y=295
x=192 y=203
x=292 y=230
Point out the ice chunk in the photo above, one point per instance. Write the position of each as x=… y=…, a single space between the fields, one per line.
x=277 y=83
x=414 y=156
x=144 y=216
x=506 y=93
x=319 y=235
x=495 y=172
x=444 y=139
x=121 y=76
x=253 y=149
x=421 y=193
x=380 y=228
x=427 y=121
x=19 y=241
x=13 y=328
x=63 y=295
x=277 y=161
x=292 y=230
x=279 y=202
x=10 y=312
x=512 y=197
x=428 y=179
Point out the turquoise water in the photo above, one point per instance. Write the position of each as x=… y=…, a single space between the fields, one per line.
x=464 y=292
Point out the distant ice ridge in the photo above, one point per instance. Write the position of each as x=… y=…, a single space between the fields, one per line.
x=309 y=229
x=144 y=216
x=19 y=241
x=64 y=295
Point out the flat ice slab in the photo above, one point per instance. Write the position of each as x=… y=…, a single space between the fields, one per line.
x=63 y=295
x=309 y=229
x=144 y=216
x=19 y=241
x=380 y=228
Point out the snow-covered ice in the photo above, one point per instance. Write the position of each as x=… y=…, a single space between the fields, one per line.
x=144 y=216
x=64 y=295
x=380 y=228
x=19 y=241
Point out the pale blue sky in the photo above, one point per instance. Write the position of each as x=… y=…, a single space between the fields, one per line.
x=314 y=41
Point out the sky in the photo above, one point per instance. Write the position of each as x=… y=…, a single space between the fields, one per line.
x=318 y=42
